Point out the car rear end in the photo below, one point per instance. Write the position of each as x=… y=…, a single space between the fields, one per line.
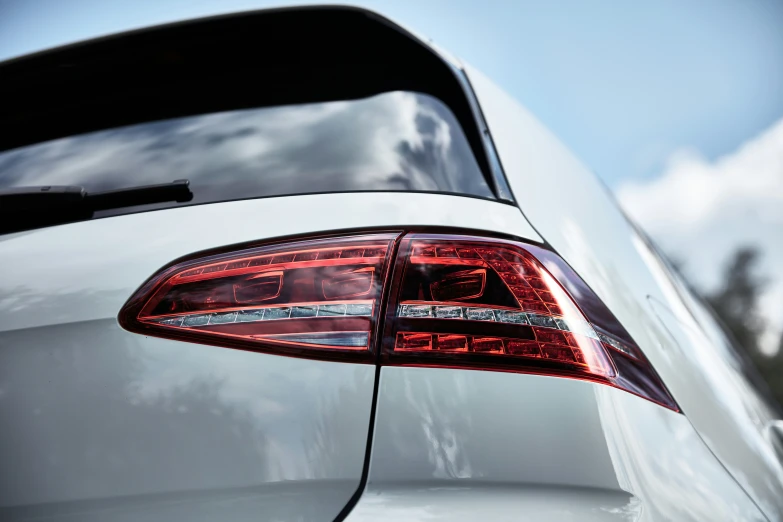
x=348 y=318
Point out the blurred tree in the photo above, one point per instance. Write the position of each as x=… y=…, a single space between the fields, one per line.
x=771 y=368
x=736 y=304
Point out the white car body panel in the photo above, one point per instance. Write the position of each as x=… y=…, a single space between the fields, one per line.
x=98 y=419
x=499 y=439
x=584 y=225
x=265 y=437
x=436 y=501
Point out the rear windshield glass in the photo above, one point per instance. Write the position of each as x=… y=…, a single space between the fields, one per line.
x=396 y=141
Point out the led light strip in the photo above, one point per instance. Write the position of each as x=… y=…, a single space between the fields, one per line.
x=269 y=314
x=474 y=313
x=341 y=339
x=351 y=254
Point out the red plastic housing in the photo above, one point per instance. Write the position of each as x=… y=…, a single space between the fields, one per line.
x=317 y=298
x=451 y=301
x=463 y=301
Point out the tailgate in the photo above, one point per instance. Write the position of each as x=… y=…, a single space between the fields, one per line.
x=99 y=420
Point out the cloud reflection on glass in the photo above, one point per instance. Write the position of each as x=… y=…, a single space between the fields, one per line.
x=392 y=141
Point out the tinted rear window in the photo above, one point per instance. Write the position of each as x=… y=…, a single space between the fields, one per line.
x=396 y=141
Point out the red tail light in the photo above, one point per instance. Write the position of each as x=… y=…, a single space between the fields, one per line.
x=490 y=304
x=319 y=296
x=454 y=301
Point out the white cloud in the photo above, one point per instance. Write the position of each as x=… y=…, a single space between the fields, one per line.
x=701 y=211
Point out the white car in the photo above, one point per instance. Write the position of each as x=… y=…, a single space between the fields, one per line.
x=298 y=264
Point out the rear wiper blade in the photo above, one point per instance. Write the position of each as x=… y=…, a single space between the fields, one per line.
x=24 y=208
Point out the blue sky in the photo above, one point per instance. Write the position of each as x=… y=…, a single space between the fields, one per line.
x=623 y=84
x=677 y=105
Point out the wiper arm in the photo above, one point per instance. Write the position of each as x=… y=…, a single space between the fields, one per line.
x=24 y=208
x=144 y=195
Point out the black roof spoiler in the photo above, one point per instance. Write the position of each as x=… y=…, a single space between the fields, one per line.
x=229 y=62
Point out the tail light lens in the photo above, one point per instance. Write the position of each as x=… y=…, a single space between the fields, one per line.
x=312 y=297
x=452 y=301
x=483 y=303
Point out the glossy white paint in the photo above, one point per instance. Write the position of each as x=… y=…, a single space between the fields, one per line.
x=473 y=444
x=442 y=501
x=96 y=419
x=582 y=222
